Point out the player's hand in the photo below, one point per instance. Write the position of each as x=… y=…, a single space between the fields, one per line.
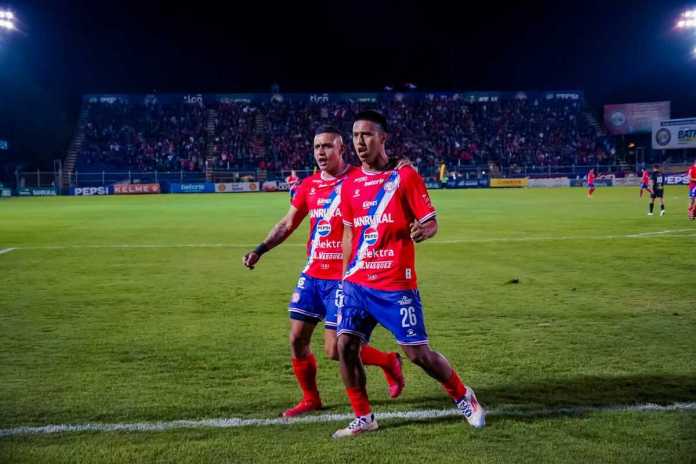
x=417 y=231
x=250 y=259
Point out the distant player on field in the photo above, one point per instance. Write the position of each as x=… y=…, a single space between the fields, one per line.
x=691 y=177
x=644 y=182
x=386 y=210
x=657 y=190
x=293 y=181
x=318 y=293
x=591 y=176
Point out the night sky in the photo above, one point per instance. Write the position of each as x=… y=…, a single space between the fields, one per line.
x=615 y=53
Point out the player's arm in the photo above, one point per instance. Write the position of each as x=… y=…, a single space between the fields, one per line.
x=420 y=232
x=281 y=231
x=347 y=246
x=425 y=225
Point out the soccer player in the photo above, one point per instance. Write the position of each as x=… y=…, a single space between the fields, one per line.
x=691 y=177
x=591 y=176
x=318 y=292
x=644 y=181
x=293 y=181
x=657 y=186
x=386 y=210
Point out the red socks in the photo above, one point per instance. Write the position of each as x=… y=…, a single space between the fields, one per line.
x=306 y=372
x=359 y=401
x=373 y=357
x=454 y=387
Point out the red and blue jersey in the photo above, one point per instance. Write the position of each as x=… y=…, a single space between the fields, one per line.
x=591 y=178
x=645 y=179
x=292 y=182
x=319 y=197
x=691 y=177
x=380 y=206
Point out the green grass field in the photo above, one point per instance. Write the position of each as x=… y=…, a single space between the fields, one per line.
x=94 y=331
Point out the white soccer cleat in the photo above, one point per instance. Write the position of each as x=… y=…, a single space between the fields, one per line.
x=650 y=214
x=662 y=213
x=472 y=409
x=359 y=425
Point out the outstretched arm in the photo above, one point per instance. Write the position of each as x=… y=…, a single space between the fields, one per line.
x=282 y=230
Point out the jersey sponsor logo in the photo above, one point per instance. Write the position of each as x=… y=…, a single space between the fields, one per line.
x=371 y=236
x=330 y=244
x=375 y=182
x=376 y=265
x=369 y=254
x=322 y=212
x=323 y=228
x=368 y=204
x=328 y=256
x=361 y=179
x=405 y=301
x=323 y=201
x=361 y=221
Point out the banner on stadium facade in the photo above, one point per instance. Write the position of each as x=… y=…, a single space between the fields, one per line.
x=270 y=186
x=676 y=179
x=550 y=182
x=131 y=189
x=628 y=181
x=467 y=183
x=325 y=98
x=202 y=187
x=5 y=192
x=237 y=187
x=37 y=192
x=90 y=191
x=510 y=183
x=631 y=118
x=674 y=134
x=600 y=182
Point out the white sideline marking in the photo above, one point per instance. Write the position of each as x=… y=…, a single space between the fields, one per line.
x=6 y=250
x=681 y=233
x=510 y=411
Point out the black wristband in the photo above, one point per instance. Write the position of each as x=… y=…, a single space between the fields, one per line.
x=261 y=249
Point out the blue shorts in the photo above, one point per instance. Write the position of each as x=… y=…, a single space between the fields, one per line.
x=316 y=299
x=590 y=186
x=399 y=312
x=692 y=192
x=643 y=186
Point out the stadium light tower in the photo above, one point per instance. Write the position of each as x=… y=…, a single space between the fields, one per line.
x=7 y=20
x=687 y=20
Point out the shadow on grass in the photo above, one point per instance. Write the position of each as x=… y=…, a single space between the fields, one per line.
x=564 y=397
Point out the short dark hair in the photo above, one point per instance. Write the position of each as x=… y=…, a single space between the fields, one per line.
x=326 y=129
x=373 y=116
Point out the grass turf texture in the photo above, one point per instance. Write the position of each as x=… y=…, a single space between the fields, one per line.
x=99 y=334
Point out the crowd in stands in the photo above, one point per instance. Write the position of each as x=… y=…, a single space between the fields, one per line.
x=277 y=135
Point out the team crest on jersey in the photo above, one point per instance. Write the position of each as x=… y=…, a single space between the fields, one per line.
x=295 y=297
x=390 y=186
x=323 y=228
x=356 y=193
x=371 y=236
